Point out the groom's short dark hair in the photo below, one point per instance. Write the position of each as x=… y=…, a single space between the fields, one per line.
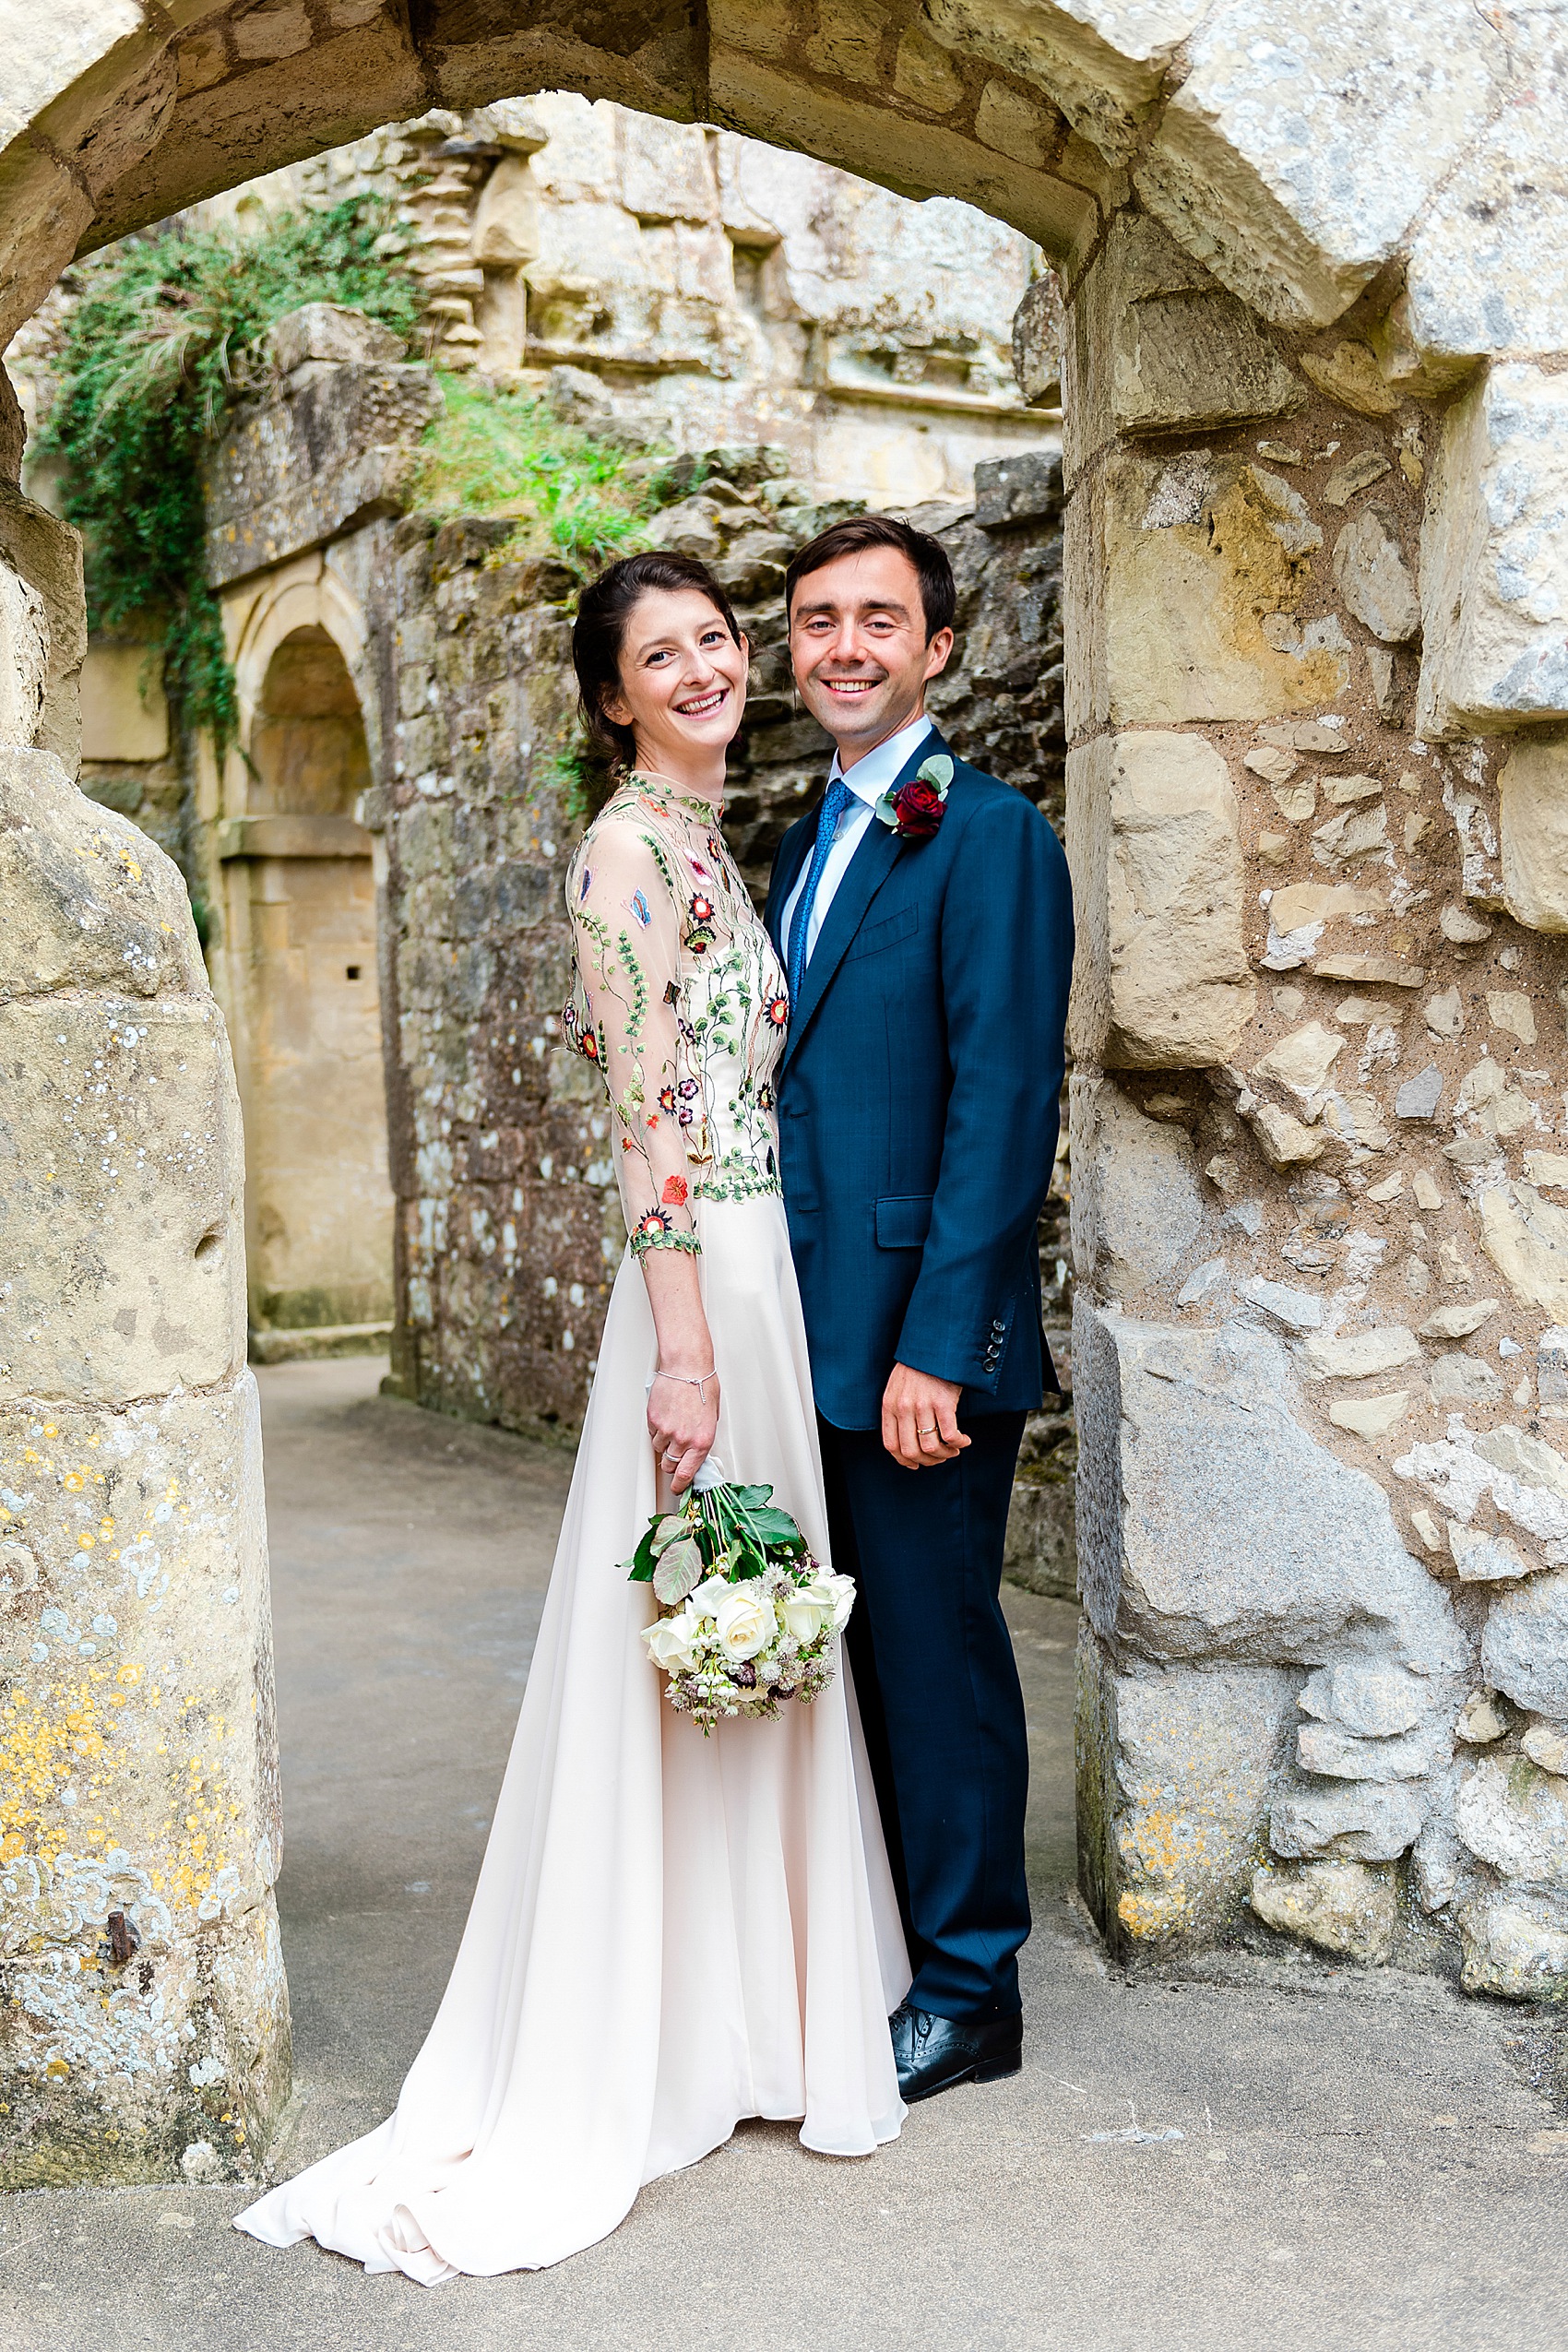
x=939 y=595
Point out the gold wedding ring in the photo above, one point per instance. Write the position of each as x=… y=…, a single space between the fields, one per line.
x=927 y=1433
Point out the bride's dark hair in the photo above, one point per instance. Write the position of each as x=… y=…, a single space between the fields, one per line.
x=600 y=632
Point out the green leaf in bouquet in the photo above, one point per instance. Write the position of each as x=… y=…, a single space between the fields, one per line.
x=775 y=1526
x=679 y=1572
x=639 y=1568
x=750 y=1498
x=665 y=1532
x=749 y=1562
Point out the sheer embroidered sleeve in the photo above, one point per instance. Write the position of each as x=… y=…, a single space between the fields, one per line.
x=624 y=1017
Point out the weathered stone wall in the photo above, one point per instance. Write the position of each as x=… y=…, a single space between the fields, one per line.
x=1319 y=1051
x=693 y=287
x=143 y=2013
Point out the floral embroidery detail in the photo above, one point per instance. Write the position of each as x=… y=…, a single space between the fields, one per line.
x=699 y=934
x=687 y=1011
x=917 y=808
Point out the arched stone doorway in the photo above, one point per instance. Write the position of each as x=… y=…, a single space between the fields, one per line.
x=1302 y=264
x=299 y=951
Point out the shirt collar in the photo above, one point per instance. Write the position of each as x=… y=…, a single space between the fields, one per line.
x=870 y=777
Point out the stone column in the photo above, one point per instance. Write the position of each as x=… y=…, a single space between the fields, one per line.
x=1317 y=1028
x=144 y=2030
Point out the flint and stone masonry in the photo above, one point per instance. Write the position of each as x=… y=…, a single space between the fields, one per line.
x=1316 y=689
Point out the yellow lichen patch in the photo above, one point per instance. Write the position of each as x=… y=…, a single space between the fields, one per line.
x=1152 y=1913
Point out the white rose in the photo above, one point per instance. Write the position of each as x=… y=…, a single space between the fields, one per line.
x=746 y=1621
x=670 y=1642
x=806 y=1611
x=838 y=1593
x=705 y=1600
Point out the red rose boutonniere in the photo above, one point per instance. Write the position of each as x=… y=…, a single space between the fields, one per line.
x=915 y=810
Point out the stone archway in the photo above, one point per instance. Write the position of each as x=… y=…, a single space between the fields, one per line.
x=300 y=956
x=1318 y=301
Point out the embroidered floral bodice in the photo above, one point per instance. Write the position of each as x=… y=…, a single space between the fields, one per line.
x=679 y=1001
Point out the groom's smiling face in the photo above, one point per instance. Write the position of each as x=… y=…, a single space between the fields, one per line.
x=860 y=650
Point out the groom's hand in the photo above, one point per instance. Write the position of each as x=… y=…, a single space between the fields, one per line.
x=920 y=1419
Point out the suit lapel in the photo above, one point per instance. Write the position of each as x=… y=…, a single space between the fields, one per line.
x=877 y=853
x=793 y=852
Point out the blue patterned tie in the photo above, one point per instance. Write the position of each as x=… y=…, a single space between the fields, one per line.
x=835 y=801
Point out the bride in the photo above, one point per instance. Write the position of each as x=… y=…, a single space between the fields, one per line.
x=669 y=1932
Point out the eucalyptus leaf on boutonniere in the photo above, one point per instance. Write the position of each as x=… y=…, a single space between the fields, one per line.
x=915 y=810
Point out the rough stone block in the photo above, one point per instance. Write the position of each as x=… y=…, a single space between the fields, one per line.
x=138 y=1778
x=1527 y=1238
x=1373 y=1702
x=1525 y=1644
x=88 y=899
x=13 y=430
x=46 y=213
x=1265 y=164
x=1176 y=1770
x=1162 y=978
x=1514 y=1816
x=1324 y=1748
x=1374 y=576
x=1100 y=60
x=1342 y=1907
x=1366 y=1824
x=1516 y=1945
x=121 y=1176
x=24 y=658
x=1494 y=558
x=1212 y=1525
x=47 y=554
x=1206 y=564
x=330 y=331
x=1138 y=1205
x=1533 y=830
x=1039 y=325
x=1486 y=270
x=296 y=470
x=41 y=57
x=1154 y=345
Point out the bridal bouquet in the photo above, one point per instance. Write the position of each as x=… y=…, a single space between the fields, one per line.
x=746 y=1615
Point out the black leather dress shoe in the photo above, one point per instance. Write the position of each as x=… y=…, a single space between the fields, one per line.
x=932 y=2053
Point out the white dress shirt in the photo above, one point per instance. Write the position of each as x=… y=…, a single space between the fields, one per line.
x=866 y=781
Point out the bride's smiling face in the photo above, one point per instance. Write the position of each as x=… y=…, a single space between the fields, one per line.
x=682 y=680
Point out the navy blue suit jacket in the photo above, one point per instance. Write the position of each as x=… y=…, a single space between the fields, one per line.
x=918 y=1099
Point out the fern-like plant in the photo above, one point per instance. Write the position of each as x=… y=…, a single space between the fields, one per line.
x=165 y=334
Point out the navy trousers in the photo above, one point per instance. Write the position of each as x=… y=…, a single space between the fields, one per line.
x=938 y=1697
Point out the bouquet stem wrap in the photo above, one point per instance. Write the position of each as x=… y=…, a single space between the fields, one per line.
x=747 y=1617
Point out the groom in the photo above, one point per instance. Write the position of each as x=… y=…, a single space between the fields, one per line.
x=923 y=915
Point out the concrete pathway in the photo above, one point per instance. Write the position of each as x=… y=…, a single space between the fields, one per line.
x=1270 y=2154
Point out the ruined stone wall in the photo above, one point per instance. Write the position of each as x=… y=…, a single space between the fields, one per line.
x=693 y=287
x=1317 y=1132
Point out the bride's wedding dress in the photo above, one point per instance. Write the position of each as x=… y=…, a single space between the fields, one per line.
x=670 y=1933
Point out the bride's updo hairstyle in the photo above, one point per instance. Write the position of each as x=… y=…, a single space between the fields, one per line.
x=598 y=633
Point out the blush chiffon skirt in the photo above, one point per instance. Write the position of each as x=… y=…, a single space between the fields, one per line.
x=669 y=1934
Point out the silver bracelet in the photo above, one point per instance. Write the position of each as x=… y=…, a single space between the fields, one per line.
x=688 y=1380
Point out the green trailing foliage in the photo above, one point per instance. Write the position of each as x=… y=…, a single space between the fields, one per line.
x=581 y=500
x=165 y=335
